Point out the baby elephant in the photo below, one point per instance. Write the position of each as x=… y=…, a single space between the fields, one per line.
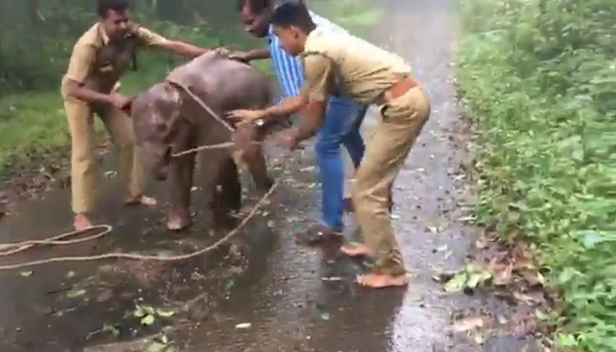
x=168 y=120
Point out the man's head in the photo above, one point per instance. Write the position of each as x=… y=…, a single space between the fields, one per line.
x=292 y=24
x=255 y=15
x=114 y=15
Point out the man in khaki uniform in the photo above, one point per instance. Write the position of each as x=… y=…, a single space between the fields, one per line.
x=342 y=65
x=91 y=85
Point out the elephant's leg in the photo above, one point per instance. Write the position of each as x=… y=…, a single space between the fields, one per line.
x=230 y=196
x=245 y=136
x=212 y=164
x=181 y=171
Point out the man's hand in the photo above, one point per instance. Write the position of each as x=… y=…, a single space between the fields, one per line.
x=119 y=101
x=242 y=56
x=245 y=116
x=223 y=51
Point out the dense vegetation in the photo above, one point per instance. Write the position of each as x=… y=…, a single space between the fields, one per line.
x=540 y=80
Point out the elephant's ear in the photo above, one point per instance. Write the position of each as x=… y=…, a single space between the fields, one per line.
x=168 y=115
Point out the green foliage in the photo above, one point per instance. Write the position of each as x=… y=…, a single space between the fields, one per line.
x=539 y=77
x=357 y=16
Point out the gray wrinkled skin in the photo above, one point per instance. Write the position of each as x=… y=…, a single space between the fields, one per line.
x=167 y=120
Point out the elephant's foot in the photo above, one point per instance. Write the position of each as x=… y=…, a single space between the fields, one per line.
x=178 y=220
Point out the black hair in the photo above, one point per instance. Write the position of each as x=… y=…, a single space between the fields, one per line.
x=104 y=6
x=293 y=14
x=255 y=6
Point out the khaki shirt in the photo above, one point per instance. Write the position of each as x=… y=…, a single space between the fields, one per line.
x=343 y=65
x=99 y=63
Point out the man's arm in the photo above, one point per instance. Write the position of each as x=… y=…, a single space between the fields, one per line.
x=80 y=64
x=247 y=56
x=151 y=39
x=311 y=121
x=317 y=89
x=184 y=49
x=290 y=105
x=79 y=91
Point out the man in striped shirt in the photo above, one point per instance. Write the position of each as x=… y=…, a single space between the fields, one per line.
x=342 y=121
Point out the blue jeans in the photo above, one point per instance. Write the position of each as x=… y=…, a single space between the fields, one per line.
x=341 y=127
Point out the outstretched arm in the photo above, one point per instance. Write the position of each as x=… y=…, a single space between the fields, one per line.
x=289 y=106
x=247 y=56
x=153 y=40
x=184 y=49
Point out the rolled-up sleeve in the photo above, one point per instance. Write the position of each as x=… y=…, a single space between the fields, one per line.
x=81 y=62
x=151 y=39
x=318 y=71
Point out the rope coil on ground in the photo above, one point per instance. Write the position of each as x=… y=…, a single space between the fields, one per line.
x=19 y=247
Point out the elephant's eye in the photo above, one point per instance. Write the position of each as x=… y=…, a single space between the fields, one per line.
x=160 y=128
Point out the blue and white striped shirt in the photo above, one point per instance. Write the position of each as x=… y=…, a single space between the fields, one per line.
x=289 y=69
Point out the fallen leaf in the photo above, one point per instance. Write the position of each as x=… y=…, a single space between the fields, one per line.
x=476 y=278
x=534 y=278
x=26 y=273
x=481 y=243
x=325 y=316
x=165 y=313
x=470 y=324
x=148 y=320
x=504 y=277
x=70 y=274
x=164 y=339
x=479 y=338
x=243 y=326
x=457 y=283
x=467 y=219
x=156 y=347
x=115 y=332
x=76 y=293
x=523 y=298
x=433 y=229
x=331 y=278
x=441 y=249
x=111 y=174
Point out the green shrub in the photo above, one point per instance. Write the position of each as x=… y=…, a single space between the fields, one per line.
x=539 y=77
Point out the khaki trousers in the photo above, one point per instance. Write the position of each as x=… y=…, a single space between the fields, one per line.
x=403 y=119
x=84 y=163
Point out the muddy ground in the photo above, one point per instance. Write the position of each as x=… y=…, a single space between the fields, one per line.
x=261 y=291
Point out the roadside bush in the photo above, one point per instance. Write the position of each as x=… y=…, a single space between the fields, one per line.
x=539 y=78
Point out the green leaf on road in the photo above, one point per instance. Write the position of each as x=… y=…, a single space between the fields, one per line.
x=457 y=283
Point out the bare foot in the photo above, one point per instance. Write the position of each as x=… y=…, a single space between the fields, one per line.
x=81 y=223
x=375 y=280
x=141 y=200
x=178 y=220
x=355 y=249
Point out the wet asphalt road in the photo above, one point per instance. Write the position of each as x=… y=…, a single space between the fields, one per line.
x=294 y=298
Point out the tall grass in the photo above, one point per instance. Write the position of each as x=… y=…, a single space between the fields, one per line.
x=539 y=78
